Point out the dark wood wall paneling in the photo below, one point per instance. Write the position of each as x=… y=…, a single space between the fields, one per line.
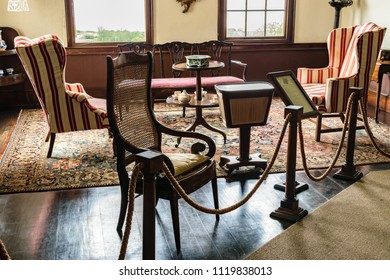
x=88 y=66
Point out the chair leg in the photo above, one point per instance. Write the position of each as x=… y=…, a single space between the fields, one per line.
x=214 y=186
x=51 y=145
x=123 y=207
x=318 y=128
x=124 y=184
x=175 y=220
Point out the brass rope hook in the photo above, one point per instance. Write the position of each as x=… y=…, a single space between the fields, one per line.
x=338 y=152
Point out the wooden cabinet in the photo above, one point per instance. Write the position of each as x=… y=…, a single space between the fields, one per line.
x=15 y=89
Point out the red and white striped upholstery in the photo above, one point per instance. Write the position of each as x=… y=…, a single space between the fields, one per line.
x=353 y=52
x=67 y=106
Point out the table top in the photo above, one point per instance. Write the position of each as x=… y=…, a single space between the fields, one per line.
x=213 y=64
x=207 y=102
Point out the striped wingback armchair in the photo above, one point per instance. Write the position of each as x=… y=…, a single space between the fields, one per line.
x=353 y=52
x=67 y=106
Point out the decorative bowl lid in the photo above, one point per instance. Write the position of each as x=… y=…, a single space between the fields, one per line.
x=198 y=56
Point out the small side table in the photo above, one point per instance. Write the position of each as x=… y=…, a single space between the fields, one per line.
x=243 y=106
x=384 y=66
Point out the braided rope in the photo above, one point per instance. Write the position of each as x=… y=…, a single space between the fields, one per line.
x=199 y=207
x=338 y=152
x=3 y=252
x=129 y=217
x=369 y=132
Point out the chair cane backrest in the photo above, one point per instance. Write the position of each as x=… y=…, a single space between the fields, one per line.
x=129 y=103
x=142 y=48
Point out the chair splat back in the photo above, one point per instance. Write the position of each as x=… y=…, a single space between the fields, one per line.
x=129 y=86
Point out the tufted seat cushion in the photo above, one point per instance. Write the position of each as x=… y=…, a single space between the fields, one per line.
x=186 y=162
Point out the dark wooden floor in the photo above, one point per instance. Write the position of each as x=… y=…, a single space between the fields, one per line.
x=80 y=224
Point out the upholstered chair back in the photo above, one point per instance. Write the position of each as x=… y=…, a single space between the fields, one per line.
x=67 y=106
x=353 y=52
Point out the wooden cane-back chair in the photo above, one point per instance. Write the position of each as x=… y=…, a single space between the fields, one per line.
x=135 y=129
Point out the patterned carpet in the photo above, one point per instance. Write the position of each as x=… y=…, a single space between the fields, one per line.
x=85 y=159
x=264 y=138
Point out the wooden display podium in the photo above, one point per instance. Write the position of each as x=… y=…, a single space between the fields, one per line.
x=243 y=106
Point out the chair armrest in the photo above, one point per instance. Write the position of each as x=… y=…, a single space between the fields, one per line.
x=76 y=91
x=337 y=87
x=316 y=75
x=197 y=147
x=241 y=64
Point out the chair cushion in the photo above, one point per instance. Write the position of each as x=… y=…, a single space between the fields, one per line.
x=190 y=82
x=185 y=162
x=316 y=92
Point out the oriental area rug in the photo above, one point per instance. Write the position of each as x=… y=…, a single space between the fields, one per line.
x=85 y=158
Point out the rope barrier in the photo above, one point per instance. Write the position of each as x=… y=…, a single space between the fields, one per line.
x=137 y=169
x=3 y=252
x=338 y=152
x=199 y=207
x=186 y=197
x=129 y=217
x=369 y=132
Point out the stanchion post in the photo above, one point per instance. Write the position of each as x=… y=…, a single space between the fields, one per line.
x=153 y=162
x=289 y=207
x=348 y=171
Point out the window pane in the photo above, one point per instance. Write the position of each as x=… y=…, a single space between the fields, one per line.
x=235 y=4
x=109 y=21
x=276 y=4
x=235 y=24
x=275 y=24
x=256 y=4
x=257 y=20
x=255 y=24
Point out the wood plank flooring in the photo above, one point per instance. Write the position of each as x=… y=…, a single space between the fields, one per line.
x=81 y=224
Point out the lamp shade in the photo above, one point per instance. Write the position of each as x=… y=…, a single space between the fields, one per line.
x=18 y=6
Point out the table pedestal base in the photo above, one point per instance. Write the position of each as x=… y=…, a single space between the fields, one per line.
x=231 y=163
x=200 y=120
x=244 y=159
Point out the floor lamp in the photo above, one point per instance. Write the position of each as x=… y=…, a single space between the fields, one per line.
x=338 y=5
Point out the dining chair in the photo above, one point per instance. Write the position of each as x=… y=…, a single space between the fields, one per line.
x=353 y=52
x=135 y=129
x=67 y=106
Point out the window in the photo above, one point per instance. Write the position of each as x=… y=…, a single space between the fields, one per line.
x=108 y=22
x=256 y=20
